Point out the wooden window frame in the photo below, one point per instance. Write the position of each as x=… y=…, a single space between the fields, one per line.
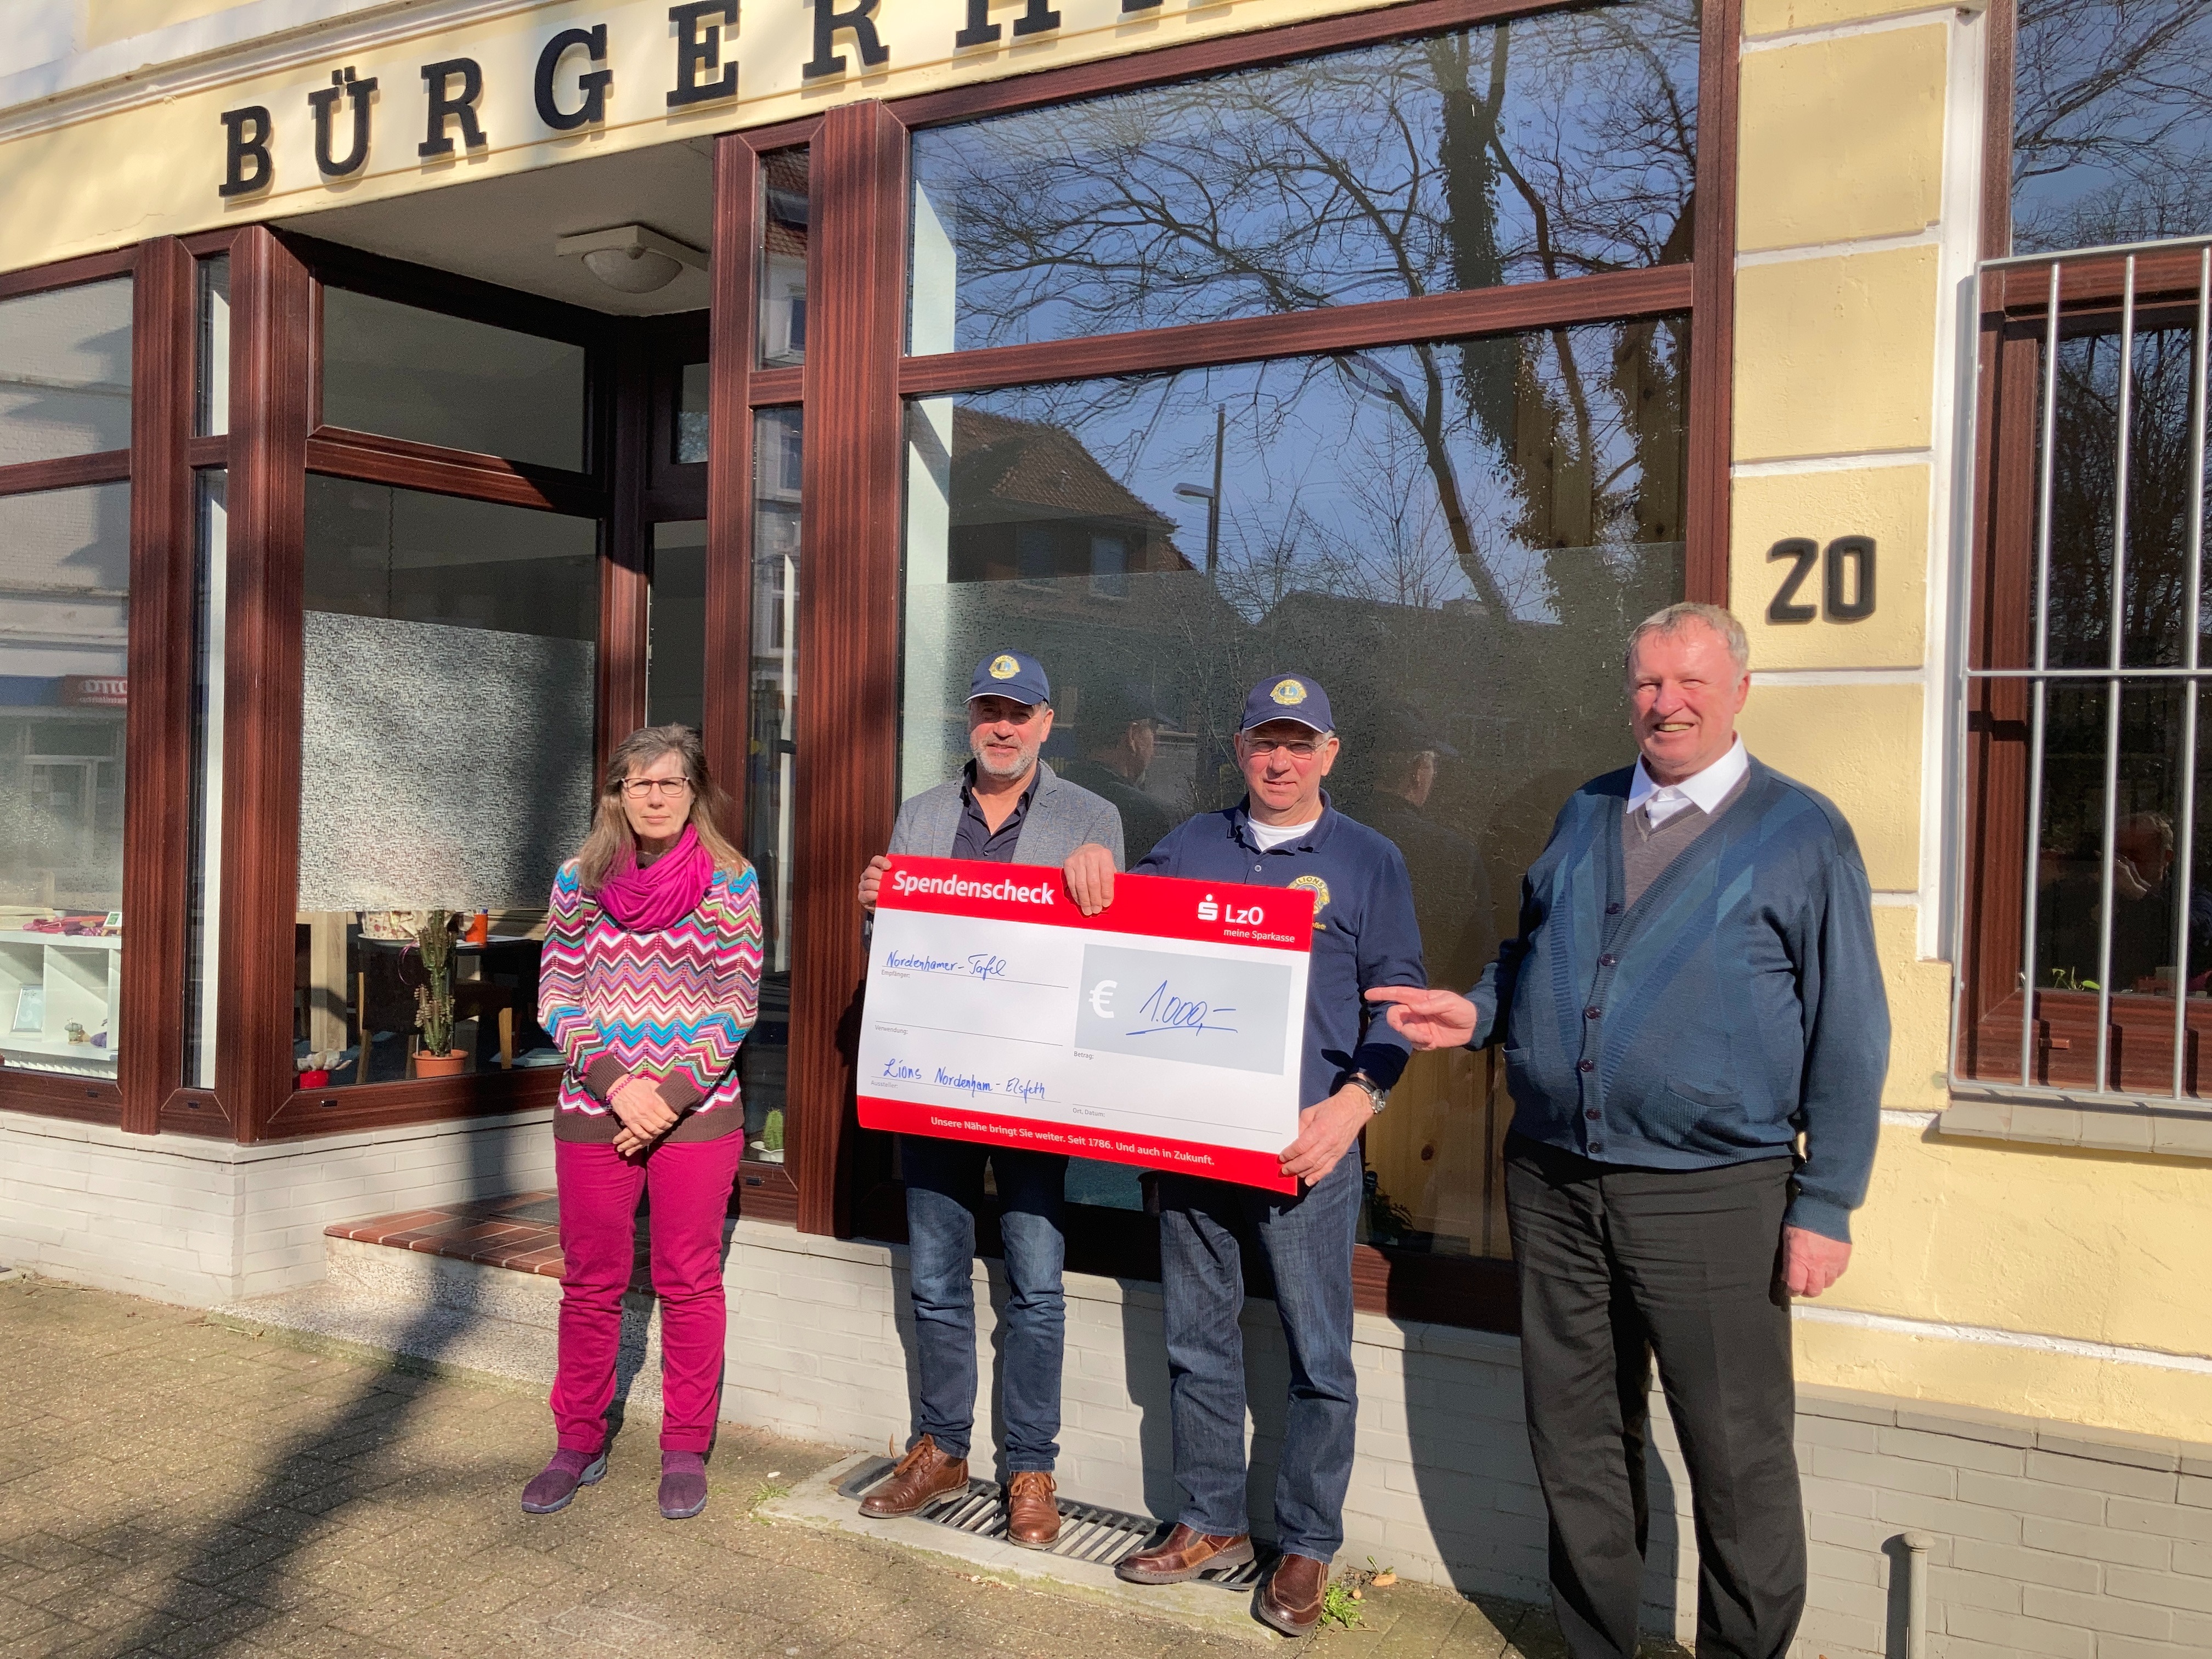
x=155 y=791
x=854 y=385
x=2013 y=321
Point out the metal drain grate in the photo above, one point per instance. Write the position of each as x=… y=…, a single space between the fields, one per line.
x=1088 y=1532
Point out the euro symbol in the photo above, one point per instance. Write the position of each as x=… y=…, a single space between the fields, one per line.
x=1102 y=998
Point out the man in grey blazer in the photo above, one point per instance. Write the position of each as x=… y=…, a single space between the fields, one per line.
x=1006 y=807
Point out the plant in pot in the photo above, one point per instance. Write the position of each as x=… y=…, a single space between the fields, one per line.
x=434 y=998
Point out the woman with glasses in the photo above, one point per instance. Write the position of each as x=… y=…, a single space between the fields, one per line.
x=649 y=983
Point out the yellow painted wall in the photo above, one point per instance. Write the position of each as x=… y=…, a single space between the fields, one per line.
x=1919 y=1014
x=1836 y=355
x=119 y=20
x=1889 y=503
x=2092 y=1247
x=1860 y=746
x=1841 y=139
x=1778 y=16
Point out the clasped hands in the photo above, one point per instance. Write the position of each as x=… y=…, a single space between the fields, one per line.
x=644 y=1115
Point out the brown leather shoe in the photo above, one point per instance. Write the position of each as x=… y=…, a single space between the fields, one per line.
x=1183 y=1554
x=1032 y=1511
x=1291 y=1598
x=923 y=1473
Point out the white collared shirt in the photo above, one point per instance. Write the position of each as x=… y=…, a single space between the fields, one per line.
x=1703 y=790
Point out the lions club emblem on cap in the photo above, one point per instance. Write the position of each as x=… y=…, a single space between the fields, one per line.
x=1004 y=668
x=1288 y=693
x=1319 y=889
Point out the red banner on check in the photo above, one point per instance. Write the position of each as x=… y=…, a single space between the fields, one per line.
x=1164 y=1032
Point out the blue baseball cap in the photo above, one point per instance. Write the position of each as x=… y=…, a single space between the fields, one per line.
x=1288 y=698
x=1010 y=674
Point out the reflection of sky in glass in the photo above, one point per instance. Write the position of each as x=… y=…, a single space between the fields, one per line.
x=2112 y=122
x=1331 y=482
x=1553 y=146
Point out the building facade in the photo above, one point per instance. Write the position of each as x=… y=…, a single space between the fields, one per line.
x=400 y=400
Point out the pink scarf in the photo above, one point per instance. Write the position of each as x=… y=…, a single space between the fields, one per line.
x=659 y=894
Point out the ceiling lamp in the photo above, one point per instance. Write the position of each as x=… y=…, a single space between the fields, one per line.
x=631 y=259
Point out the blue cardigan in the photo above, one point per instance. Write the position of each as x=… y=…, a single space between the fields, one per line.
x=1738 y=1003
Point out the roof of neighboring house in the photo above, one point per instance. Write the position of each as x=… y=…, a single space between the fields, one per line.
x=1030 y=463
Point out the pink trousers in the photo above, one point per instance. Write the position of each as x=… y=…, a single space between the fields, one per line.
x=689 y=1184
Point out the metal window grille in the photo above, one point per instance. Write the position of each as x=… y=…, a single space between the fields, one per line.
x=2040 y=677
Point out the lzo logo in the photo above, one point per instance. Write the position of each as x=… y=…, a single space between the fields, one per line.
x=1208 y=910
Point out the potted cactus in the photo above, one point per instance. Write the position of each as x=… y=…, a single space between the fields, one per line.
x=434 y=998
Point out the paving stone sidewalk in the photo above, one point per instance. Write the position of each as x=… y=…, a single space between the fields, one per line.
x=174 y=1487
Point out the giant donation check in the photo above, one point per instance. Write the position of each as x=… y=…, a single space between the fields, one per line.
x=1165 y=1031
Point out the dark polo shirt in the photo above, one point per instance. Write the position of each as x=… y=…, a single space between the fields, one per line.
x=975 y=839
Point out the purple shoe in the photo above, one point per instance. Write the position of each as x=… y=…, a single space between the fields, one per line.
x=682 y=1485
x=555 y=1485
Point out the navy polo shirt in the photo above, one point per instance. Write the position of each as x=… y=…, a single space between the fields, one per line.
x=1364 y=930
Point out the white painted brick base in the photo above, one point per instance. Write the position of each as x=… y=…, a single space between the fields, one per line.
x=205 y=1222
x=2049 y=1538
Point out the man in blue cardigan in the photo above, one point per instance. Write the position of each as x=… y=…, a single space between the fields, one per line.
x=1693 y=987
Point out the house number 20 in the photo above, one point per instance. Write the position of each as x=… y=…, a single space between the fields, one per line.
x=1846 y=568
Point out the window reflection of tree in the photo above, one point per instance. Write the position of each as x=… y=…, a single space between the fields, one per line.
x=1553 y=146
x=2112 y=122
x=2153 y=615
x=2084 y=484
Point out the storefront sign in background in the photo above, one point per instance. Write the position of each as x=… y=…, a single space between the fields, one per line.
x=127 y=160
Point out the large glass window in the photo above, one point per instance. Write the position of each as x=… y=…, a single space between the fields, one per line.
x=676 y=641
x=64 y=609
x=2119 y=787
x=1455 y=537
x=211 y=350
x=2112 y=122
x=407 y=373
x=203 y=863
x=66 y=372
x=1551 y=146
x=446 y=762
x=773 y=694
x=784 y=185
x=689 y=437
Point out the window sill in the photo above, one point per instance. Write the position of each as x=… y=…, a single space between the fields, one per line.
x=2109 y=1124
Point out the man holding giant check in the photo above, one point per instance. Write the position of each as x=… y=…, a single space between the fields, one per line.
x=1210 y=1027
x=1284 y=836
x=1006 y=814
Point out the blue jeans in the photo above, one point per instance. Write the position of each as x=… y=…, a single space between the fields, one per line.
x=943 y=1185
x=1308 y=1240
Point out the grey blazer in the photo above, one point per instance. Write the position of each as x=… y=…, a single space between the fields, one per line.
x=1062 y=817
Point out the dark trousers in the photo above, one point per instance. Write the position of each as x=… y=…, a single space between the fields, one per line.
x=1308 y=1238
x=1614 y=1265
x=943 y=1186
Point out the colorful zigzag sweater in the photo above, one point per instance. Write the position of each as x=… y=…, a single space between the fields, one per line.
x=671 y=1006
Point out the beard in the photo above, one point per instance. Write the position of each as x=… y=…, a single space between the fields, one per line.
x=1025 y=757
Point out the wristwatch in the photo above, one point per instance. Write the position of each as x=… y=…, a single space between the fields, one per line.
x=1377 y=1096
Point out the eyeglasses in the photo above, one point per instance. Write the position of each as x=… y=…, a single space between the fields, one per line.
x=639 y=789
x=1299 y=748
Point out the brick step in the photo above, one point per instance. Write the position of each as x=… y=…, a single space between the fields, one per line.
x=452 y=1300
